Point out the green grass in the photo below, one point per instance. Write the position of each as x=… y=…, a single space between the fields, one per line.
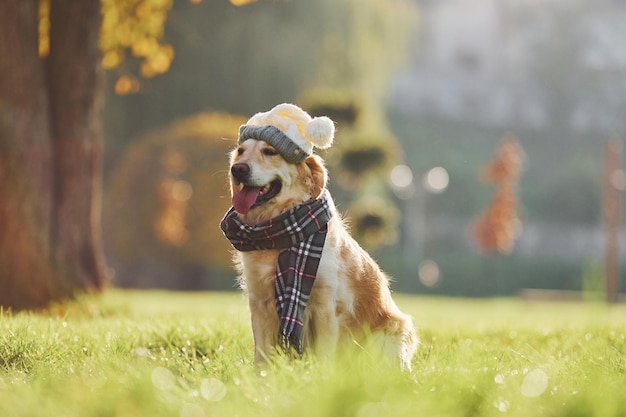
x=190 y=355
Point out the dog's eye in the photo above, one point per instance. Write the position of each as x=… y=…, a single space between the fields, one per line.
x=269 y=152
x=239 y=151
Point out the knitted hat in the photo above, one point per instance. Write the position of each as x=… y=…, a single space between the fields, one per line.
x=290 y=130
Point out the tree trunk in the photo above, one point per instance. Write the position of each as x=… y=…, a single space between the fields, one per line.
x=72 y=89
x=49 y=154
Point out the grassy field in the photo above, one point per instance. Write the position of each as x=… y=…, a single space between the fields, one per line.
x=190 y=355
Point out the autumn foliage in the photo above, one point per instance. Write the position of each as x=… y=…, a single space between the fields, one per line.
x=495 y=230
x=131 y=38
x=164 y=201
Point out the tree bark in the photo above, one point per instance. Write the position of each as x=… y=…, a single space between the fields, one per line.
x=49 y=154
x=72 y=67
x=25 y=197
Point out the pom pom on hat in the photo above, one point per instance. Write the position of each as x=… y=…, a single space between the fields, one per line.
x=321 y=132
x=297 y=128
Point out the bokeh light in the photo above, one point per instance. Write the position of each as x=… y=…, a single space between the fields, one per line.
x=401 y=180
x=429 y=273
x=191 y=410
x=163 y=378
x=212 y=389
x=436 y=180
x=535 y=383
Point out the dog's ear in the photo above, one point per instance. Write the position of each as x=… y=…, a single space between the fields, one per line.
x=319 y=175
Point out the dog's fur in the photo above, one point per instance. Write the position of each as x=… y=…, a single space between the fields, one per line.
x=350 y=300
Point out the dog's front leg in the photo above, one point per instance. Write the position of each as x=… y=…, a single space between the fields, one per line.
x=326 y=344
x=326 y=331
x=264 y=328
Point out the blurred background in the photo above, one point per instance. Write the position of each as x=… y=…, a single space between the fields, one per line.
x=477 y=147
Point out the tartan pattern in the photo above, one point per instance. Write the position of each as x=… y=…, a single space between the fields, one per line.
x=300 y=233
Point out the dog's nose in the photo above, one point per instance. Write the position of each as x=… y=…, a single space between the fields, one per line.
x=240 y=171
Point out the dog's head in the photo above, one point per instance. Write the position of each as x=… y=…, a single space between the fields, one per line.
x=264 y=185
x=273 y=169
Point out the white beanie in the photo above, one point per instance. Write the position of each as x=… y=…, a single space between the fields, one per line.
x=290 y=130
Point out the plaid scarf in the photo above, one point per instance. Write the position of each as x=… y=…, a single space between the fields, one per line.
x=300 y=233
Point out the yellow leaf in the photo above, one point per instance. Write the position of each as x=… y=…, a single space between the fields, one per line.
x=112 y=59
x=126 y=85
x=160 y=61
x=137 y=26
x=146 y=70
x=241 y=2
x=168 y=50
x=144 y=47
x=161 y=4
x=44 y=28
x=143 y=9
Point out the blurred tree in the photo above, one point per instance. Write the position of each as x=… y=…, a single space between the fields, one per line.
x=350 y=84
x=359 y=163
x=135 y=27
x=50 y=150
x=131 y=40
x=614 y=184
x=496 y=228
x=49 y=153
x=164 y=201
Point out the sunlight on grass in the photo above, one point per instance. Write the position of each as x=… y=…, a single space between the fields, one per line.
x=134 y=353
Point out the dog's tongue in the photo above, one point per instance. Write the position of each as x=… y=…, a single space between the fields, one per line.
x=244 y=200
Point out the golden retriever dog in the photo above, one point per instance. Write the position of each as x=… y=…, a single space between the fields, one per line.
x=350 y=301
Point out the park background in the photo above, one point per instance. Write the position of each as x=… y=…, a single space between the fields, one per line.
x=477 y=150
x=415 y=84
x=477 y=154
